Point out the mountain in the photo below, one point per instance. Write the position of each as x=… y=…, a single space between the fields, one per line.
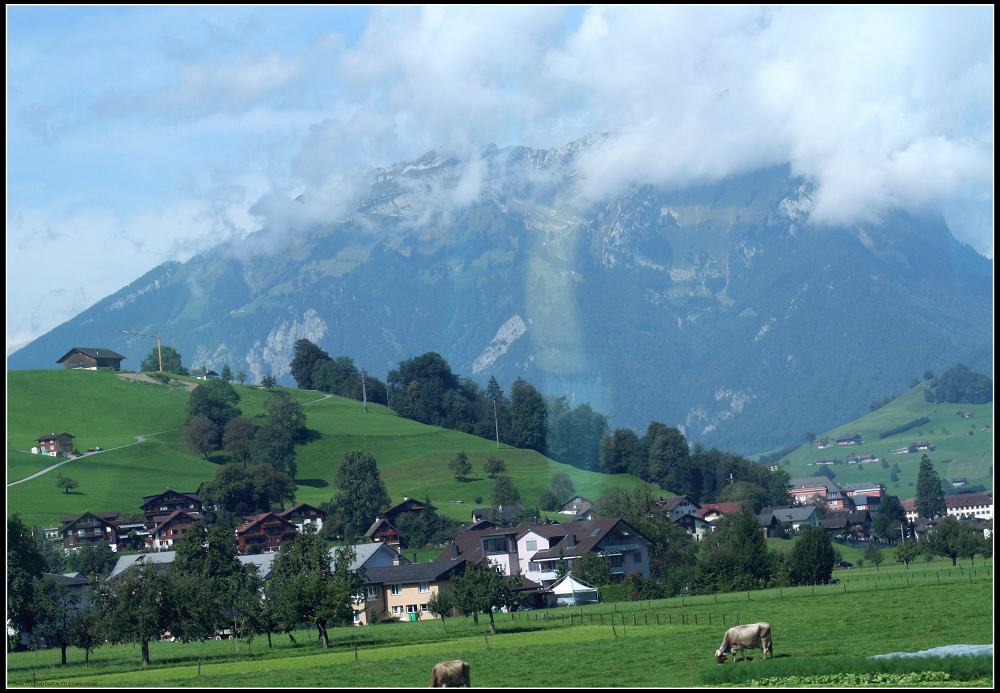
x=716 y=307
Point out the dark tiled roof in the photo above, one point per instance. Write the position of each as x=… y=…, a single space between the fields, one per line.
x=588 y=534
x=67 y=580
x=146 y=500
x=193 y=517
x=254 y=520
x=722 y=508
x=299 y=508
x=963 y=499
x=379 y=521
x=93 y=352
x=53 y=436
x=413 y=572
x=671 y=503
x=110 y=517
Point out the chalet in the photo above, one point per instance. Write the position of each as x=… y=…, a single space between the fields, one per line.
x=407 y=505
x=959 y=481
x=965 y=414
x=852 y=440
x=92 y=359
x=157 y=508
x=862 y=459
x=711 y=512
x=170 y=530
x=859 y=524
x=503 y=515
x=56 y=444
x=827 y=462
x=88 y=529
x=921 y=446
x=383 y=531
x=900 y=451
x=694 y=525
x=304 y=515
x=822 y=444
x=404 y=590
x=264 y=533
x=835 y=523
x=869 y=503
x=204 y=374
x=677 y=506
x=796 y=517
x=576 y=505
x=864 y=489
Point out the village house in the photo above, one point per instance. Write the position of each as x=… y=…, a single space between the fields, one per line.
x=407 y=505
x=921 y=446
x=54 y=444
x=576 y=505
x=501 y=515
x=264 y=533
x=304 y=515
x=78 y=585
x=204 y=374
x=92 y=358
x=695 y=526
x=88 y=529
x=677 y=506
x=812 y=489
x=382 y=531
x=535 y=550
x=403 y=590
x=852 y=440
x=170 y=529
x=822 y=444
x=713 y=512
x=157 y=507
x=795 y=517
x=900 y=451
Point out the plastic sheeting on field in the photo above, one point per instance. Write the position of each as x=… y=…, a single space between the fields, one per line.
x=945 y=651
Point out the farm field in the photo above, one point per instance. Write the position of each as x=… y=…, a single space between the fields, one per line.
x=963 y=449
x=101 y=408
x=811 y=636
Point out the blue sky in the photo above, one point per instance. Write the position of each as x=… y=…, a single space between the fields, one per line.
x=137 y=135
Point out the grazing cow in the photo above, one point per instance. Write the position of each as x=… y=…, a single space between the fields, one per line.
x=451 y=674
x=742 y=637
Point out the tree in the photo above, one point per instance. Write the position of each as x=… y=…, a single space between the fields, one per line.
x=484 y=587
x=873 y=555
x=93 y=560
x=312 y=591
x=215 y=400
x=136 y=607
x=241 y=377
x=669 y=458
x=528 y=416
x=930 y=496
x=441 y=605
x=548 y=501
x=747 y=493
x=286 y=415
x=202 y=434
x=504 y=492
x=562 y=486
x=64 y=482
x=171 y=361
x=54 y=606
x=304 y=359
x=891 y=516
x=735 y=556
x=25 y=565
x=227 y=373
x=460 y=466
x=593 y=569
x=268 y=382
x=908 y=551
x=86 y=632
x=622 y=453
x=812 y=557
x=272 y=446
x=238 y=437
x=361 y=494
x=948 y=538
x=494 y=466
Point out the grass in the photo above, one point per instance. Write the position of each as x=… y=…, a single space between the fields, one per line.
x=102 y=409
x=956 y=454
x=815 y=631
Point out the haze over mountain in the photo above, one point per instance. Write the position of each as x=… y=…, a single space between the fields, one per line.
x=718 y=307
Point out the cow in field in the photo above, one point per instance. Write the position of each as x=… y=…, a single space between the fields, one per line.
x=742 y=637
x=451 y=674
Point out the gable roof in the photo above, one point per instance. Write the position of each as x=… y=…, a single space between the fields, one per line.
x=299 y=508
x=159 y=558
x=67 y=579
x=54 y=436
x=721 y=508
x=146 y=500
x=379 y=521
x=175 y=515
x=254 y=520
x=364 y=552
x=588 y=534
x=506 y=513
x=793 y=514
x=568 y=584
x=93 y=352
x=413 y=572
x=109 y=517
x=670 y=504
x=809 y=481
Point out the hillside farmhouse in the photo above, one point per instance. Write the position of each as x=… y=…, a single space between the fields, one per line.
x=55 y=444
x=971 y=505
x=92 y=358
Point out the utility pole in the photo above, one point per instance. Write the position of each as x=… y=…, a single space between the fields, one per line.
x=496 y=422
x=159 y=349
x=387 y=391
x=364 y=393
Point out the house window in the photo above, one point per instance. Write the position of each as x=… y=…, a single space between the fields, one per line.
x=531 y=545
x=616 y=561
x=411 y=608
x=372 y=591
x=425 y=587
x=397 y=610
x=397 y=589
x=495 y=545
x=80 y=532
x=534 y=566
x=423 y=608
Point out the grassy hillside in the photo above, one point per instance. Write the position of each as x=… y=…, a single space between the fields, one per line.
x=100 y=408
x=963 y=448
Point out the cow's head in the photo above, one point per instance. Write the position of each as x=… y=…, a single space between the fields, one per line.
x=720 y=656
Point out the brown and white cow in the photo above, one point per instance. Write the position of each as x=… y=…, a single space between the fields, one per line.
x=741 y=637
x=450 y=674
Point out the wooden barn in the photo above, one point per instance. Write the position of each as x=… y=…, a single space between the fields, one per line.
x=92 y=359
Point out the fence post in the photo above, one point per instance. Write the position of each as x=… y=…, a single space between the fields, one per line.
x=696 y=619
x=199 y=666
x=671 y=618
x=487 y=641
x=355 y=653
x=723 y=619
x=657 y=619
x=737 y=618
x=710 y=619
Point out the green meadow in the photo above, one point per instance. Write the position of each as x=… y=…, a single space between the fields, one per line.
x=816 y=630
x=963 y=448
x=102 y=409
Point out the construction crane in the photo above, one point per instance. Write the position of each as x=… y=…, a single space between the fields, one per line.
x=159 y=349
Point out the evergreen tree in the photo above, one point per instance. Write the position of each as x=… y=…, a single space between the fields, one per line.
x=361 y=494
x=930 y=496
x=812 y=557
x=227 y=373
x=891 y=516
x=528 y=416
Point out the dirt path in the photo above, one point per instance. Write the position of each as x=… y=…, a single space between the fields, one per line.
x=143 y=378
x=138 y=439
